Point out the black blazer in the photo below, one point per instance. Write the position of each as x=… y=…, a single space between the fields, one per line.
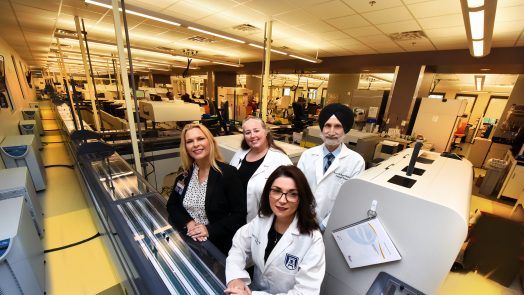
x=225 y=205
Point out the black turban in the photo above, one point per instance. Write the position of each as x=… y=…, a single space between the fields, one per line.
x=342 y=112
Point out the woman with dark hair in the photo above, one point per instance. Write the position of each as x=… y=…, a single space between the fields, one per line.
x=283 y=242
x=256 y=160
x=207 y=199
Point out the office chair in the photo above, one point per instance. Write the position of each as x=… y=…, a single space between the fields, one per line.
x=459 y=134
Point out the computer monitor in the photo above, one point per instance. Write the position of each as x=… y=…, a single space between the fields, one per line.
x=140 y=94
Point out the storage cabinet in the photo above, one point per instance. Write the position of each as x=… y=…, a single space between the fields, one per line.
x=515 y=183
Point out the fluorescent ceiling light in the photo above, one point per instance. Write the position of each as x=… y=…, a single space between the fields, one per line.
x=478 y=48
x=479 y=82
x=134 y=13
x=304 y=58
x=278 y=51
x=475 y=3
x=476 y=22
x=256 y=45
x=272 y=50
x=216 y=35
x=227 y=64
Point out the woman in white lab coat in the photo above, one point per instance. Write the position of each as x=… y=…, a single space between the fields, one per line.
x=283 y=242
x=256 y=160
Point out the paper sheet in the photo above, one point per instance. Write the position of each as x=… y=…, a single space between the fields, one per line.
x=366 y=243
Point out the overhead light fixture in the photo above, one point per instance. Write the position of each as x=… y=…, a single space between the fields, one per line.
x=479 y=19
x=216 y=35
x=272 y=50
x=305 y=58
x=153 y=52
x=162 y=20
x=227 y=64
x=479 y=82
x=134 y=10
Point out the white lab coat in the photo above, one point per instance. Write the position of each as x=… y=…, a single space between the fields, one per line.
x=325 y=187
x=295 y=266
x=274 y=158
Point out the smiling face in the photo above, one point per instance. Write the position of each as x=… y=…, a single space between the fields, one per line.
x=333 y=132
x=197 y=144
x=255 y=134
x=284 y=206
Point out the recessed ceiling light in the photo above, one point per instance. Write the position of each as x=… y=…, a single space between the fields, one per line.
x=365 y=70
x=484 y=70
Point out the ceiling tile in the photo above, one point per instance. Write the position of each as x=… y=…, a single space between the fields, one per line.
x=348 y=22
x=364 y=6
x=506 y=27
x=331 y=9
x=403 y=26
x=333 y=35
x=157 y=5
x=147 y=29
x=271 y=7
x=307 y=3
x=295 y=17
x=220 y=21
x=245 y=15
x=450 y=20
x=346 y=42
x=435 y=8
x=503 y=43
x=385 y=47
x=451 y=32
x=508 y=3
x=188 y=11
x=509 y=14
x=389 y=15
x=369 y=40
x=416 y=45
x=447 y=44
x=214 y=5
x=316 y=27
x=363 y=31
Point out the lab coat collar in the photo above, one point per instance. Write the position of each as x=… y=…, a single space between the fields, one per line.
x=265 y=164
x=286 y=240
x=344 y=152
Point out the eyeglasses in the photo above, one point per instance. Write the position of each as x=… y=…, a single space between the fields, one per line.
x=291 y=196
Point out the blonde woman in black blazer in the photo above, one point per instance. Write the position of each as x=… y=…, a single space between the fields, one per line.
x=207 y=201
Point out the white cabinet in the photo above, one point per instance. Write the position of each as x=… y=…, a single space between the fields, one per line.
x=515 y=183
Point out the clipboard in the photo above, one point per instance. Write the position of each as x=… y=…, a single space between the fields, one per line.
x=365 y=242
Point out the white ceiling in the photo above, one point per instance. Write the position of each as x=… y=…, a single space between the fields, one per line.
x=308 y=27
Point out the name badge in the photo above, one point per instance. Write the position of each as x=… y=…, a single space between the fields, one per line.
x=291 y=261
x=179 y=188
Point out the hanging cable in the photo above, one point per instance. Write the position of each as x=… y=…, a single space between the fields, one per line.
x=185 y=74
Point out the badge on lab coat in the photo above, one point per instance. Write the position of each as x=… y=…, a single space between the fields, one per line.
x=291 y=262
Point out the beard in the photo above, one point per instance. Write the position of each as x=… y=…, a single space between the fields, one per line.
x=332 y=141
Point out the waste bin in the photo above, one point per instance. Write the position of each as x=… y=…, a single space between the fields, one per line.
x=494 y=176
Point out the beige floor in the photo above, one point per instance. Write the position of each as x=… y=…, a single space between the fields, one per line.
x=84 y=268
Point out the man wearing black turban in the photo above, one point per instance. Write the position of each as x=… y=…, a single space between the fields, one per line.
x=330 y=164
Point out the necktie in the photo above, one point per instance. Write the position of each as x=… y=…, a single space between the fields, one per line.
x=329 y=158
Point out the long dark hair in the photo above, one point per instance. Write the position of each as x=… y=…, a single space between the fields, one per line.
x=270 y=141
x=307 y=217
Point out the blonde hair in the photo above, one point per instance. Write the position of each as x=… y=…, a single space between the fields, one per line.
x=214 y=153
